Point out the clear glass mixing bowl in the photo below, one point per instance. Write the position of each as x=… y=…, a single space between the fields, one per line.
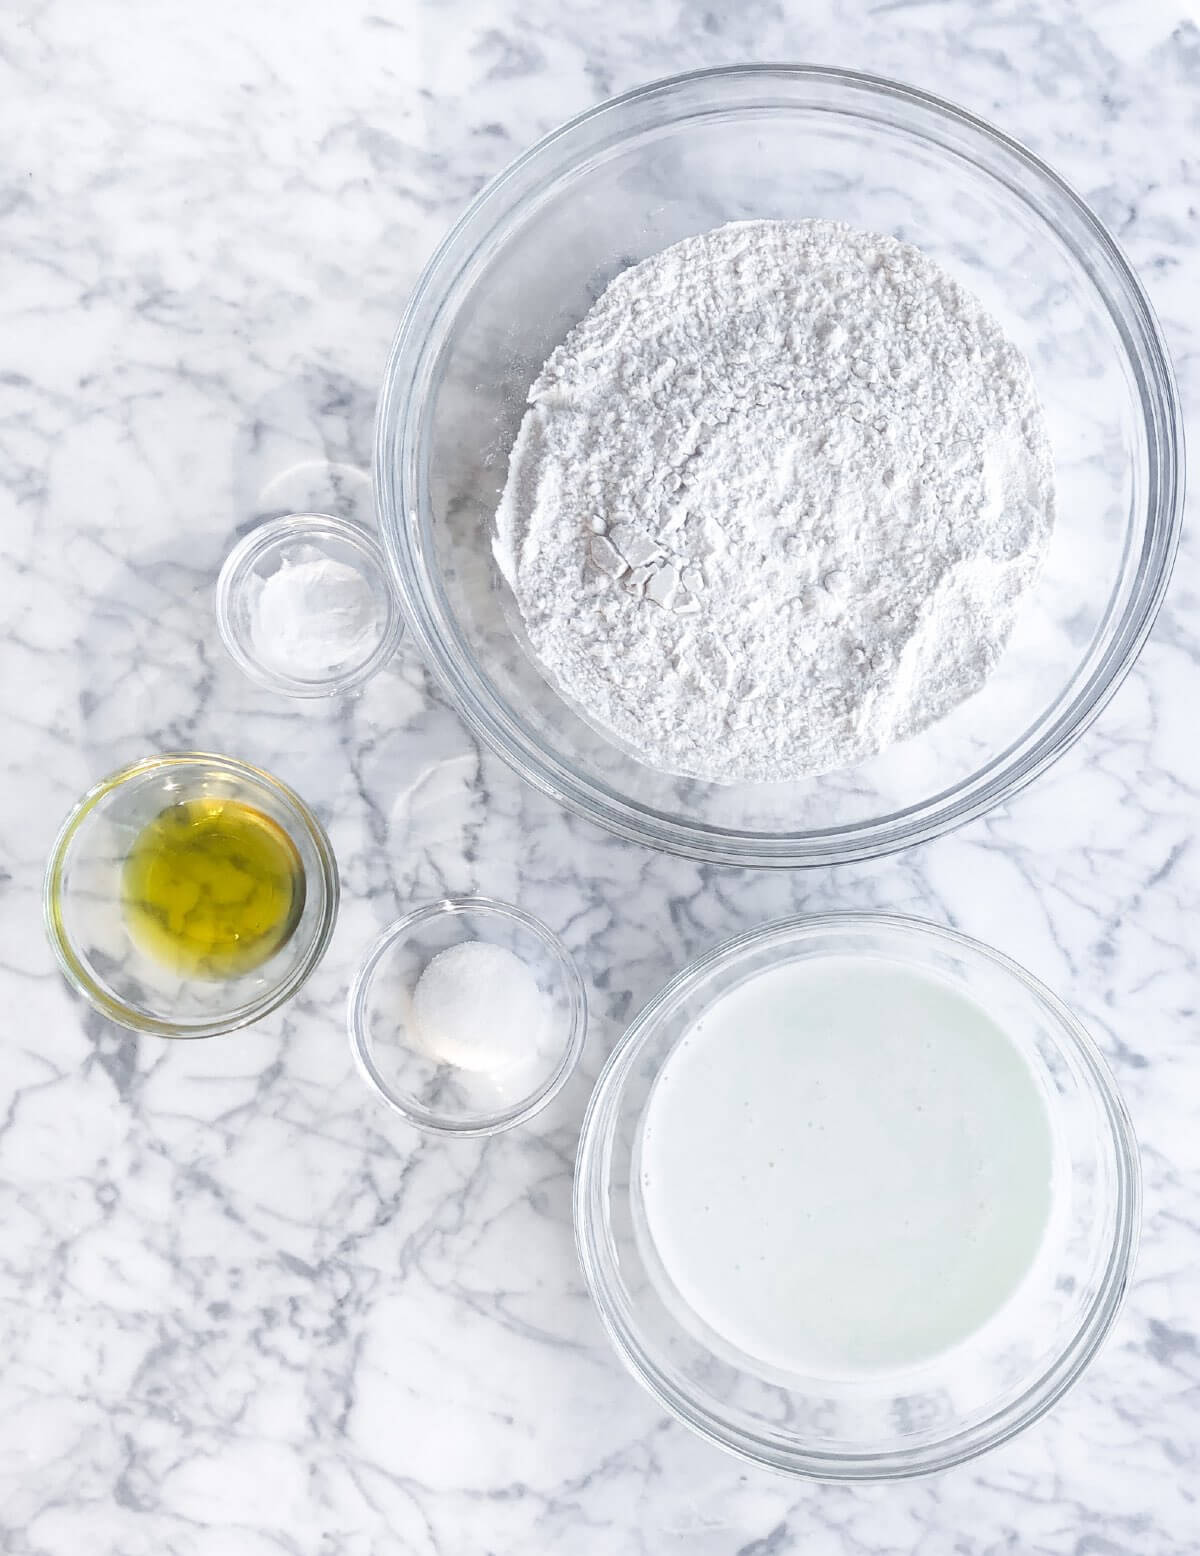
x=956 y=1405
x=678 y=157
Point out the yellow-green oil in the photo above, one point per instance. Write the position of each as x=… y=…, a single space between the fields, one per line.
x=212 y=888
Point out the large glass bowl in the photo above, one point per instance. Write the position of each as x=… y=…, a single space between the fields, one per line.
x=892 y=1424
x=678 y=157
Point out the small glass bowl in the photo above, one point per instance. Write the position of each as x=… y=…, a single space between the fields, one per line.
x=292 y=539
x=898 y=1423
x=441 y=1097
x=86 y=922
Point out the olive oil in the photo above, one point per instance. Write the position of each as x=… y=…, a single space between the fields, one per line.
x=212 y=888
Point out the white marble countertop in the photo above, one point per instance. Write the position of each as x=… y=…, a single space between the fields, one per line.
x=243 y=1310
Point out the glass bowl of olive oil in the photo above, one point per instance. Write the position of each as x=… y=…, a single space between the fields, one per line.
x=190 y=894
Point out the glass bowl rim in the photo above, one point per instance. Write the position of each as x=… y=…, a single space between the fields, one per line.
x=296 y=526
x=75 y=970
x=502 y=1119
x=1037 y=1398
x=400 y=477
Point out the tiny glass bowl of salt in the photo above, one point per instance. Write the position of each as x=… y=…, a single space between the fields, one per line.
x=304 y=605
x=467 y=1016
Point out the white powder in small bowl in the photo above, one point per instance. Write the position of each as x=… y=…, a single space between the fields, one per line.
x=313 y=616
x=479 y=1007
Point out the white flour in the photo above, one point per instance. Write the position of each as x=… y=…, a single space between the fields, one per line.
x=775 y=501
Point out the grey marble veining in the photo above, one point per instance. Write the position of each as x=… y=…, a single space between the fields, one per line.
x=244 y=1311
